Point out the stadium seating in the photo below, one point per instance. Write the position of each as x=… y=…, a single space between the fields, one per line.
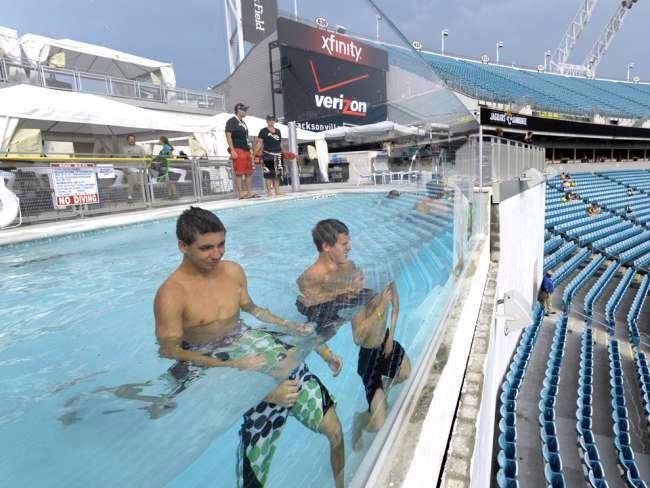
x=607 y=255
x=543 y=91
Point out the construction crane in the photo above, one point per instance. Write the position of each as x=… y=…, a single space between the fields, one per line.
x=560 y=60
x=597 y=53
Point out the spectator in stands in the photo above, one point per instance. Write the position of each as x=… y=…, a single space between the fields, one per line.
x=240 y=152
x=268 y=148
x=545 y=291
x=133 y=174
x=528 y=138
x=573 y=196
x=593 y=209
x=630 y=192
x=628 y=209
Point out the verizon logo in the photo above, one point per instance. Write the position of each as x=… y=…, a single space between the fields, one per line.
x=341 y=48
x=346 y=106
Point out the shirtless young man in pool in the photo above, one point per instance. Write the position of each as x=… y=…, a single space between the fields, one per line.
x=333 y=283
x=197 y=318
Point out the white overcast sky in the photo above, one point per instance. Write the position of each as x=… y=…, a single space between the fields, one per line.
x=191 y=33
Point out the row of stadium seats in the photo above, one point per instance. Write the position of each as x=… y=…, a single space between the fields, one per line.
x=507 y=455
x=620 y=416
x=596 y=254
x=542 y=90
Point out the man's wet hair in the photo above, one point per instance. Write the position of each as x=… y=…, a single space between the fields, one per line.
x=327 y=231
x=197 y=221
x=393 y=194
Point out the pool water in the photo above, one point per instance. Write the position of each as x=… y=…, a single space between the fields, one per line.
x=82 y=385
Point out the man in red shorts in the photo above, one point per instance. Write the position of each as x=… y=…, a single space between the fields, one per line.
x=240 y=151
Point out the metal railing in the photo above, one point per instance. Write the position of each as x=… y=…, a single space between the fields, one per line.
x=121 y=185
x=502 y=159
x=14 y=71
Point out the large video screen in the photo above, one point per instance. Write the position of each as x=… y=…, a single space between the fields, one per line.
x=329 y=80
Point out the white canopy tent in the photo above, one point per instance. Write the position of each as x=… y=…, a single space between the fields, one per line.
x=28 y=106
x=381 y=130
x=91 y=58
x=72 y=112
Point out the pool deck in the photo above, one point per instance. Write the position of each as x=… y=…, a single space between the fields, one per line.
x=88 y=223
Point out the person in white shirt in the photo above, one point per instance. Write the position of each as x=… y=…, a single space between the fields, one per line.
x=133 y=175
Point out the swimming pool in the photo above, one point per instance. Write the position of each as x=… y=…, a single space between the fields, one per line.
x=78 y=322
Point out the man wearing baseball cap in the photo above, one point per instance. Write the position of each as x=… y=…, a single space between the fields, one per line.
x=240 y=151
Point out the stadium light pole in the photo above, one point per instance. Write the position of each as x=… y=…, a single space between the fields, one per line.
x=499 y=46
x=378 y=19
x=443 y=34
x=547 y=59
x=295 y=9
x=630 y=67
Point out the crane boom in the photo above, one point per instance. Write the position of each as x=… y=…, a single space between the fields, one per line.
x=597 y=53
x=576 y=27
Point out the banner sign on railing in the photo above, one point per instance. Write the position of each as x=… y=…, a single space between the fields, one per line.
x=74 y=184
x=105 y=171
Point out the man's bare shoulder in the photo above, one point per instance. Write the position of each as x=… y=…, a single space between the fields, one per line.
x=232 y=267
x=315 y=272
x=172 y=287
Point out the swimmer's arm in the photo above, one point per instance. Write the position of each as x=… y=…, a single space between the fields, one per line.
x=368 y=317
x=247 y=305
x=393 y=318
x=170 y=347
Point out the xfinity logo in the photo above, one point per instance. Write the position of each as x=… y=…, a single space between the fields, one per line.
x=508 y=119
x=343 y=48
x=344 y=105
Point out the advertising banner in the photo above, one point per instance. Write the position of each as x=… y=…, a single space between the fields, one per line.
x=328 y=43
x=329 y=79
x=259 y=19
x=322 y=92
x=73 y=184
x=508 y=120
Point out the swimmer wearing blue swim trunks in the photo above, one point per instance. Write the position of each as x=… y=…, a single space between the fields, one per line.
x=197 y=311
x=333 y=284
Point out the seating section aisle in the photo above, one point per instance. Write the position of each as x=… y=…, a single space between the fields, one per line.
x=600 y=265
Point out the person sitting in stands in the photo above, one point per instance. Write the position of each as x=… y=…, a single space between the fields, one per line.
x=630 y=192
x=628 y=209
x=593 y=209
x=573 y=196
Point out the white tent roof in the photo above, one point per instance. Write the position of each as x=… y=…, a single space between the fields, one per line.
x=92 y=58
x=62 y=111
x=386 y=129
